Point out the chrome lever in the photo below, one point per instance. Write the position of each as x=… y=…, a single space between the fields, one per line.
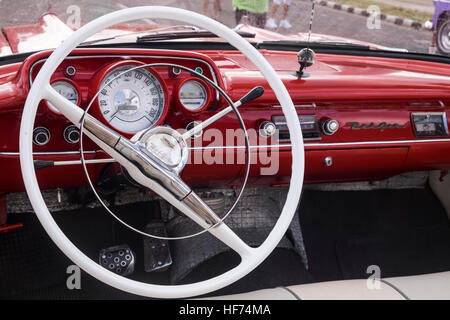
x=100 y=131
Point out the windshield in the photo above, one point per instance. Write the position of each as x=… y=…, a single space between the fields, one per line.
x=418 y=26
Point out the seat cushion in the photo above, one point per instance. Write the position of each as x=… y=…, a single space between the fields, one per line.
x=434 y=286
x=266 y=294
x=345 y=290
x=423 y=287
x=335 y=290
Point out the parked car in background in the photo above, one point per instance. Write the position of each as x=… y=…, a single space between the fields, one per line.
x=441 y=26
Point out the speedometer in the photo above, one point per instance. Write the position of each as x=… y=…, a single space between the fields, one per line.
x=131 y=101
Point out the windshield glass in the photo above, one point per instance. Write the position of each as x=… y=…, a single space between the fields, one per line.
x=421 y=26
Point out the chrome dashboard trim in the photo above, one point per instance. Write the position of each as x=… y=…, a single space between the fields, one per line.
x=49 y=153
x=342 y=144
x=300 y=106
x=287 y=145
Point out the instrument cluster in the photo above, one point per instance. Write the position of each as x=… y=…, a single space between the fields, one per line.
x=127 y=94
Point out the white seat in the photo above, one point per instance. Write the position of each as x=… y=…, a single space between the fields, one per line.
x=434 y=286
x=428 y=286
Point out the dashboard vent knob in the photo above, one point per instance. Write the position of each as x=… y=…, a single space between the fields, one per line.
x=71 y=134
x=328 y=161
x=267 y=129
x=330 y=127
x=41 y=136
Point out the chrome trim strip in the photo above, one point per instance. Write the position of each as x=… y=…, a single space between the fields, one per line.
x=287 y=145
x=343 y=144
x=374 y=142
x=130 y=57
x=50 y=153
x=444 y=119
x=300 y=106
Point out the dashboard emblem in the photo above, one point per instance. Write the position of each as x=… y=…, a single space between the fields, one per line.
x=381 y=126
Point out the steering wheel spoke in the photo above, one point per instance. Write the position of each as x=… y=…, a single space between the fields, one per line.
x=70 y=110
x=255 y=93
x=233 y=241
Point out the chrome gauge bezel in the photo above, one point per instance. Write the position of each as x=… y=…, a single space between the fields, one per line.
x=68 y=83
x=204 y=87
x=117 y=71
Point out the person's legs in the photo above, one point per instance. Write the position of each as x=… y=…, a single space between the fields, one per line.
x=273 y=10
x=284 y=23
x=205 y=7
x=271 y=24
x=219 y=4
x=216 y=7
x=259 y=20
x=285 y=11
x=239 y=14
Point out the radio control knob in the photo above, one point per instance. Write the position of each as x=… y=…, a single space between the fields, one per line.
x=71 y=134
x=267 y=129
x=41 y=136
x=330 y=127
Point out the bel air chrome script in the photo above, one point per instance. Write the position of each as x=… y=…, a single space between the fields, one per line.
x=381 y=126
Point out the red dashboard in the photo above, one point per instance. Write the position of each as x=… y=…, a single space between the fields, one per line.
x=362 y=117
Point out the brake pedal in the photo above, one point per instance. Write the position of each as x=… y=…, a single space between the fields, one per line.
x=118 y=259
x=156 y=251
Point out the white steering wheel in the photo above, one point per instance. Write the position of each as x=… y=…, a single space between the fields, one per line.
x=129 y=154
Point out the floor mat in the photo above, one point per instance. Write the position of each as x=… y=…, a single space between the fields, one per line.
x=405 y=232
x=32 y=267
x=283 y=267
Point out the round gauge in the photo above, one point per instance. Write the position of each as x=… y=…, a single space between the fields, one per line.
x=193 y=95
x=67 y=90
x=131 y=101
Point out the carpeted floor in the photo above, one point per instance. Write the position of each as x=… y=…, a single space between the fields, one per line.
x=404 y=232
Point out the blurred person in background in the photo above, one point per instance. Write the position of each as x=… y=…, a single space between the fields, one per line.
x=255 y=10
x=284 y=23
x=216 y=8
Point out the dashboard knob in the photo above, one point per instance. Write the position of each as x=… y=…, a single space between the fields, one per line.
x=71 y=134
x=41 y=136
x=191 y=125
x=330 y=127
x=267 y=129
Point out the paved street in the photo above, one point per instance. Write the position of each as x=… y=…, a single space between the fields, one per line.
x=327 y=21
